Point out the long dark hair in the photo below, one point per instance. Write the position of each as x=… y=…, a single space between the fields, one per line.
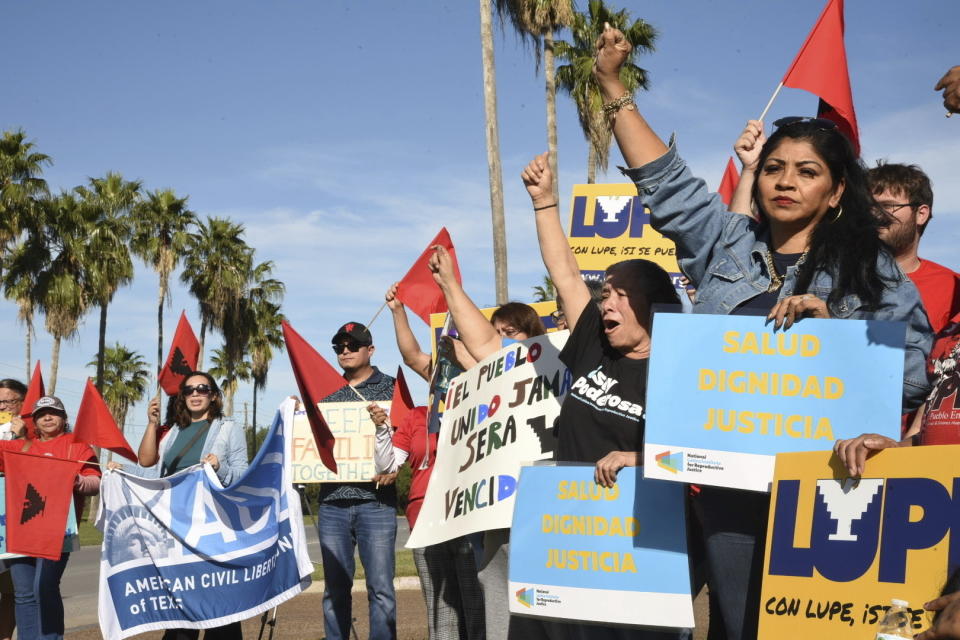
x=844 y=244
x=182 y=417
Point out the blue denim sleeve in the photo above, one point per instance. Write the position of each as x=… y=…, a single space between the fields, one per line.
x=233 y=456
x=902 y=302
x=682 y=209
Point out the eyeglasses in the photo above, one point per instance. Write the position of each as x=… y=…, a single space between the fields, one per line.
x=822 y=123
x=202 y=389
x=893 y=207
x=352 y=347
x=557 y=316
x=509 y=332
x=11 y=403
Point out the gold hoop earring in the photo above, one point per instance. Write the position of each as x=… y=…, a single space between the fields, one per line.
x=839 y=213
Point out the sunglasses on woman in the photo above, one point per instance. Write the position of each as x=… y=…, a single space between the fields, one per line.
x=352 y=347
x=202 y=389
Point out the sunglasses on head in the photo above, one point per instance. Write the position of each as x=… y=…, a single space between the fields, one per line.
x=821 y=123
x=352 y=347
x=202 y=389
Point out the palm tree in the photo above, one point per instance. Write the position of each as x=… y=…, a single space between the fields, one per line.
x=109 y=267
x=160 y=234
x=20 y=189
x=576 y=77
x=216 y=262
x=262 y=318
x=545 y=292
x=231 y=373
x=46 y=270
x=493 y=153
x=533 y=20
x=126 y=375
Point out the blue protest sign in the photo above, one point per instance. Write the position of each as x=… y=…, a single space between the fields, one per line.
x=579 y=551
x=727 y=393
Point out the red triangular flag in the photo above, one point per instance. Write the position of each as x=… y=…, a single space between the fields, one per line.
x=182 y=360
x=96 y=426
x=418 y=290
x=35 y=391
x=402 y=402
x=39 y=495
x=729 y=182
x=821 y=68
x=316 y=380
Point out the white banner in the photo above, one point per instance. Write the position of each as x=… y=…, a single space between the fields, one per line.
x=184 y=552
x=355 y=435
x=498 y=416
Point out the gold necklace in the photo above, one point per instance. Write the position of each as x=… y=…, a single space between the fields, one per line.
x=776 y=280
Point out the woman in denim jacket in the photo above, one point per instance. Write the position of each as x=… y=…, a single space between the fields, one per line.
x=815 y=252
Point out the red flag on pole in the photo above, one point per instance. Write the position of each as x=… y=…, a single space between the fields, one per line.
x=821 y=68
x=418 y=290
x=184 y=352
x=96 y=426
x=316 y=379
x=402 y=402
x=35 y=391
x=39 y=495
x=728 y=184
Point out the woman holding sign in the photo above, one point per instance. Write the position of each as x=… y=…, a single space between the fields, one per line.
x=814 y=252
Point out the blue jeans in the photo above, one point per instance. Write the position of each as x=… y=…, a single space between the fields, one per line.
x=36 y=592
x=371 y=526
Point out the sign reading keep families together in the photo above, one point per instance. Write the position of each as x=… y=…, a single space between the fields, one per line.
x=355 y=433
x=727 y=393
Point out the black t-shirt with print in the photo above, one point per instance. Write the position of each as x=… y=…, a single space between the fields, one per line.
x=603 y=410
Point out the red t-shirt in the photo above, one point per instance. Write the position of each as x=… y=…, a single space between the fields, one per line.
x=940 y=291
x=63 y=446
x=941 y=422
x=411 y=436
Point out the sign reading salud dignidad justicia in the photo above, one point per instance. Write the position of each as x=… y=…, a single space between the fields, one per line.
x=580 y=551
x=727 y=393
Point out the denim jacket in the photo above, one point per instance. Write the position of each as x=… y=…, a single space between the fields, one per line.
x=722 y=254
x=224 y=439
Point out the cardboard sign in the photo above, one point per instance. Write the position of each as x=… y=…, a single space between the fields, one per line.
x=609 y=223
x=350 y=424
x=499 y=415
x=838 y=550
x=579 y=551
x=727 y=393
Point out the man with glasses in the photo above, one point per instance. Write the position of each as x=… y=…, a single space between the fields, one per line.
x=904 y=195
x=360 y=515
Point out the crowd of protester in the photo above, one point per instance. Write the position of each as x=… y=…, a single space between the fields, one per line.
x=811 y=232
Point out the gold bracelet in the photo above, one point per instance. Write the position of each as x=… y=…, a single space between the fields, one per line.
x=611 y=108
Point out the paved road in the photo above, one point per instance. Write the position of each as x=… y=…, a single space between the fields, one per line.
x=81 y=580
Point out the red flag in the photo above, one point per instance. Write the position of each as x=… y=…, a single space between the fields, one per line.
x=316 y=379
x=96 y=426
x=35 y=391
x=821 y=68
x=184 y=352
x=418 y=290
x=39 y=495
x=402 y=402
x=728 y=184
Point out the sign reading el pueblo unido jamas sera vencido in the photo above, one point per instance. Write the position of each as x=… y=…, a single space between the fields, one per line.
x=498 y=415
x=727 y=393
x=610 y=555
x=839 y=549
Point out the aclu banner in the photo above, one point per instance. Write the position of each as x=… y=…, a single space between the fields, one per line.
x=728 y=393
x=579 y=551
x=498 y=415
x=838 y=549
x=184 y=552
x=609 y=223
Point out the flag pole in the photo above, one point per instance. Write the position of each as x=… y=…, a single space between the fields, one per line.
x=770 y=103
x=376 y=314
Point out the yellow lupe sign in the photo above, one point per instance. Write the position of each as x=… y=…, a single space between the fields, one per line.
x=350 y=424
x=609 y=223
x=838 y=550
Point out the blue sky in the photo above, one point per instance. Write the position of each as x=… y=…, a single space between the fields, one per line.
x=344 y=134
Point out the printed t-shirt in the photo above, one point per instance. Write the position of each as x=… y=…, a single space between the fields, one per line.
x=189 y=457
x=941 y=422
x=940 y=291
x=411 y=436
x=603 y=410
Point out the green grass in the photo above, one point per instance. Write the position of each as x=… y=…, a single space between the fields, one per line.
x=90 y=536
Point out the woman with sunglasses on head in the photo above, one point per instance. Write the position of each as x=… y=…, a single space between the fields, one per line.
x=814 y=252
x=199 y=433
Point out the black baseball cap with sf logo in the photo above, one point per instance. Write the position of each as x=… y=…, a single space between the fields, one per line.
x=353 y=331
